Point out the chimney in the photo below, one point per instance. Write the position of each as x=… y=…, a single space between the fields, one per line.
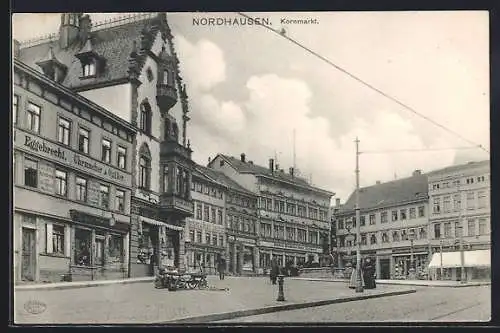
x=16 y=46
x=290 y=170
x=377 y=182
x=85 y=27
x=242 y=157
x=271 y=164
x=417 y=172
x=337 y=202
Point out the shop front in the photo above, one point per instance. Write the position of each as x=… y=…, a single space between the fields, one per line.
x=203 y=257
x=287 y=254
x=243 y=255
x=402 y=262
x=448 y=265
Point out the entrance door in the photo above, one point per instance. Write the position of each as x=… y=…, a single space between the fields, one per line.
x=28 y=255
x=385 y=269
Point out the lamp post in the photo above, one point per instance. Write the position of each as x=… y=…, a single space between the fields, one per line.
x=441 y=258
x=411 y=274
x=459 y=227
x=359 y=281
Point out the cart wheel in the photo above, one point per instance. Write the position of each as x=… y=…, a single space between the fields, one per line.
x=192 y=285
x=203 y=284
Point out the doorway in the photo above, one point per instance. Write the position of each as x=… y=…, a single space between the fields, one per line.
x=28 y=255
x=385 y=269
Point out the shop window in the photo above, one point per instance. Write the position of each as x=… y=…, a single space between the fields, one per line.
x=116 y=253
x=63 y=131
x=83 y=140
x=120 y=200
x=83 y=241
x=122 y=157
x=30 y=173
x=33 y=117
x=104 y=191
x=61 y=182
x=99 y=250
x=81 y=189
x=106 y=151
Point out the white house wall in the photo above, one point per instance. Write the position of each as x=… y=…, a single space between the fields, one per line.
x=115 y=99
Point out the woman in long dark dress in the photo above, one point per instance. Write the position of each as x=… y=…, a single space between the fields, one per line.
x=274 y=271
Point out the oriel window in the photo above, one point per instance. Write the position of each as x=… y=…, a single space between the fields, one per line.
x=61 y=180
x=122 y=157
x=165 y=178
x=83 y=140
x=81 y=189
x=63 y=131
x=106 y=151
x=33 y=117
x=166 y=77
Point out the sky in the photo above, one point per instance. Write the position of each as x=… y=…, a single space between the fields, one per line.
x=250 y=90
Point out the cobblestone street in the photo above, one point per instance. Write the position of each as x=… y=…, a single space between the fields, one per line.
x=141 y=303
x=427 y=304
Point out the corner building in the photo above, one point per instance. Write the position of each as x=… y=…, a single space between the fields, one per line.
x=293 y=216
x=129 y=66
x=72 y=180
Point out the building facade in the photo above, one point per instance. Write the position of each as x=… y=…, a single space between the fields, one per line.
x=293 y=217
x=394 y=223
x=72 y=180
x=459 y=197
x=129 y=66
x=205 y=230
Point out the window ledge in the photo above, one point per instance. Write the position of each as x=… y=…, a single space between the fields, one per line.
x=55 y=255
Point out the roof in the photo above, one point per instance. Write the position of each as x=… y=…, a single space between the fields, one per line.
x=390 y=193
x=247 y=167
x=455 y=168
x=114 y=44
x=221 y=178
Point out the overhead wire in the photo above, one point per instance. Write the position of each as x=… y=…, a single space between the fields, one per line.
x=282 y=33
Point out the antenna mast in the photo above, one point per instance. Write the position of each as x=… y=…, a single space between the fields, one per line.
x=294 y=161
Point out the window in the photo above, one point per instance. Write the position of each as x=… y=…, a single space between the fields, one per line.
x=221 y=240
x=191 y=236
x=470 y=200
x=436 y=206
x=56 y=234
x=198 y=211
x=122 y=157
x=481 y=199
x=106 y=151
x=290 y=208
x=214 y=239
x=165 y=178
x=413 y=213
x=372 y=219
x=383 y=217
x=421 y=211
x=206 y=213
x=282 y=206
x=207 y=238
x=447 y=204
x=89 y=69
x=340 y=224
x=301 y=235
x=458 y=229
x=402 y=214
x=213 y=215
x=198 y=237
x=115 y=249
x=83 y=239
x=394 y=215
x=301 y=210
x=395 y=236
x=437 y=230
x=422 y=233
x=120 y=200
x=362 y=221
x=363 y=239
x=206 y=189
x=471 y=227
x=483 y=226
x=404 y=235
x=447 y=230
x=373 y=239
x=60 y=183
x=15 y=106
x=456 y=202
x=198 y=187
x=63 y=131
x=104 y=190
x=144 y=168
x=81 y=189
x=30 y=173
x=83 y=140
x=165 y=77
x=145 y=118
x=219 y=217
x=313 y=237
x=290 y=234
x=33 y=117
x=385 y=237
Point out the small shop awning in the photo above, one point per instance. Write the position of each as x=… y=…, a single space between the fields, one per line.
x=476 y=258
x=159 y=223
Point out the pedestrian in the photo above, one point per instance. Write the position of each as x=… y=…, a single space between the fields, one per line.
x=274 y=270
x=221 y=267
x=369 y=273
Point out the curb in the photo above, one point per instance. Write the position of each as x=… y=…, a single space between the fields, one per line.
x=78 y=285
x=473 y=284
x=278 y=308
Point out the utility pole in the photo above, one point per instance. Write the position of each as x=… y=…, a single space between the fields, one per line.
x=359 y=281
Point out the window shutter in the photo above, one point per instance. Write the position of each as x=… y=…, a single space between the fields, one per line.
x=49 y=245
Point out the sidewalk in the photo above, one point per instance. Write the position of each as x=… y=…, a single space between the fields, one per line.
x=420 y=283
x=141 y=303
x=79 y=284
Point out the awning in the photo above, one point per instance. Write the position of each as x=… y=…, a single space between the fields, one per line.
x=476 y=258
x=159 y=223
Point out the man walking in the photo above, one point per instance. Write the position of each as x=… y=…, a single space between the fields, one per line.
x=221 y=267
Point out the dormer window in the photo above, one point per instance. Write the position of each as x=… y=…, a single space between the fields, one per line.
x=89 y=69
x=91 y=62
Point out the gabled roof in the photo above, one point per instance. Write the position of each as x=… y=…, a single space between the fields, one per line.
x=251 y=168
x=455 y=168
x=221 y=178
x=114 y=44
x=389 y=194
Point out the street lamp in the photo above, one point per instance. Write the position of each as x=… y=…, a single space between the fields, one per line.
x=411 y=274
x=359 y=281
x=459 y=227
